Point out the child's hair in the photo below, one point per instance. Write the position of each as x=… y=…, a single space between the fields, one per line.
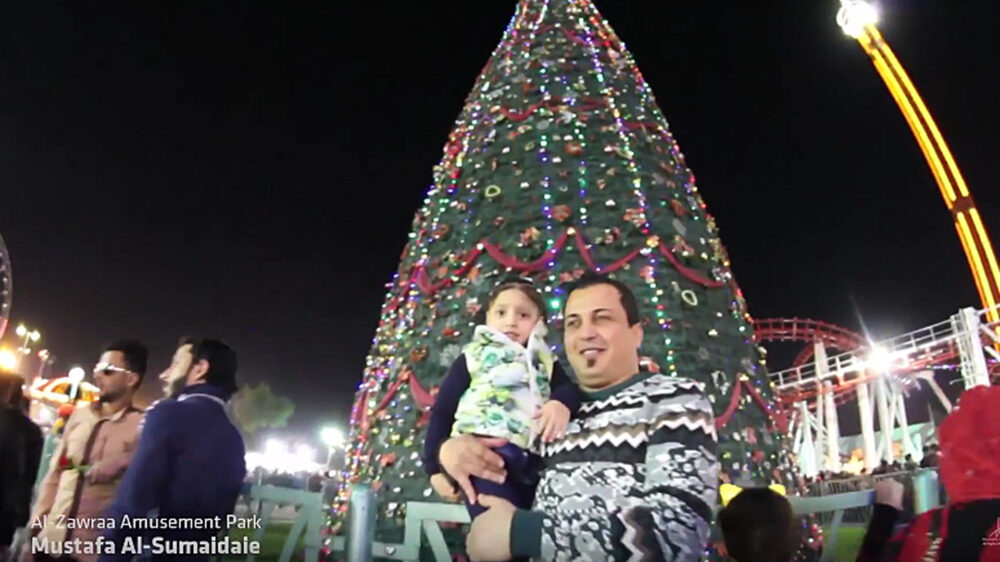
x=759 y=525
x=518 y=283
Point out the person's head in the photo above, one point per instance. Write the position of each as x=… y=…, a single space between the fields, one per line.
x=174 y=377
x=935 y=448
x=514 y=307
x=119 y=371
x=759 y=525
x=211 y=361
x=909 y=458
x=601 y=331
x=11 y=389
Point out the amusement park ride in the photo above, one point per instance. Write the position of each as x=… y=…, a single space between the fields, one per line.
x=817 y=383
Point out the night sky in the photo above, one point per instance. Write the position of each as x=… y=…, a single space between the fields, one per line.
x=249 y=171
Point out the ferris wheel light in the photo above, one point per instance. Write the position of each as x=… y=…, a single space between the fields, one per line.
x=854 y=16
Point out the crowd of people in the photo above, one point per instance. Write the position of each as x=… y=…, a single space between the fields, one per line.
x=181 y=458
x=618 y=464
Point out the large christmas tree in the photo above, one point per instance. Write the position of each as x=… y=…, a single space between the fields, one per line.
x=560 y=162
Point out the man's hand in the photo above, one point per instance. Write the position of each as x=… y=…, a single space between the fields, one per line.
x=552 y=420
x=466 y=455
x=444 y=488
x=889 y=492
x=489 y=536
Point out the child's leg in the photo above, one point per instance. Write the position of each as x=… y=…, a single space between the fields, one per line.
x=508 y=490
x=519 y=486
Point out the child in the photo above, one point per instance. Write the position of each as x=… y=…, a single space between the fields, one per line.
x=758 y=525
x=507 y=383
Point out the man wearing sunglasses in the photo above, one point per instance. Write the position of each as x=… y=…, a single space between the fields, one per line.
x=89 y=462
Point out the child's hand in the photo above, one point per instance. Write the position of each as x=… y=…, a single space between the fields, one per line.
x=553 y=418
x=443 y=487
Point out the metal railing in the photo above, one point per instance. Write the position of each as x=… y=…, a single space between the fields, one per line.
x=307 y=525
x=423 y=519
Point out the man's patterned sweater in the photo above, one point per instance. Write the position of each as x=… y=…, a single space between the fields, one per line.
x=635 y=478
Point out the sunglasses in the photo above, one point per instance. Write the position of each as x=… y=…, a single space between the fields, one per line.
x=107 y=369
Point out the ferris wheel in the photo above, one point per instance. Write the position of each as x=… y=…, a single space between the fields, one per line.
x=6 y=287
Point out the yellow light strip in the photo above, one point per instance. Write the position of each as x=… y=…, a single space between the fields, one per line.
x=975 y=241
x=985 y=241
x=916 y=126
x=972 y=264
x=894 y=63
x=978 y=269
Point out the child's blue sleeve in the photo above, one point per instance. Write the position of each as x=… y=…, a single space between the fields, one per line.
x=565 y=390
x=443 y=412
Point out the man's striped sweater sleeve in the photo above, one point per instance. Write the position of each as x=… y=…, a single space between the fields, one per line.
x=681 y=485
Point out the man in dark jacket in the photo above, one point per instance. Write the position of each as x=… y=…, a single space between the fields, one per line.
x=189 y=463
x=20 y=452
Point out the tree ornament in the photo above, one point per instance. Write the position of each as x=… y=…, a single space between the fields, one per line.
x=417 y=355
x=492 y=191
x=561 y=212
x=679 y=227
x=689 y=297
x=612 y=234
x=635 y=215
x=679 y=208
x=498 y=220
x=573 y=148
x=387 y=459
x=647 y=273
x=653 y=241
x=681 y=246
x=530 y=235
x=442 y=231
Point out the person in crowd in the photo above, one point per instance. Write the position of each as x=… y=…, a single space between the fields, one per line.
x=967 y=526
x=20 y=452
x=931 y=457
x=506 y=384
x=87 y=466
x=759 y=525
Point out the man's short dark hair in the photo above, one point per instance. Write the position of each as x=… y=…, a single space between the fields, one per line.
x=11 y=392
x=135 y=353
x=759 y=525
x=590 y=279
x=221 y=361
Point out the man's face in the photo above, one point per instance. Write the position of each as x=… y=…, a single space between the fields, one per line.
x=600 y=345
x=113 y=377
x=175 y=376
